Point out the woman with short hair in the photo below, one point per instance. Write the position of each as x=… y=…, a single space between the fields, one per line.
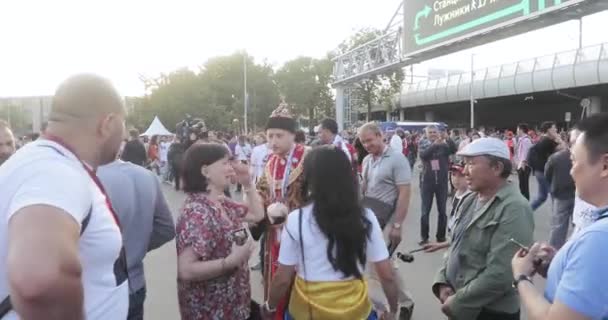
x=213 y=245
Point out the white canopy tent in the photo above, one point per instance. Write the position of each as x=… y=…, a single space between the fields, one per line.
x=156 y=128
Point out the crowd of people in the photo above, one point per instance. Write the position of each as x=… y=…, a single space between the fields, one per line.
x=81 y=207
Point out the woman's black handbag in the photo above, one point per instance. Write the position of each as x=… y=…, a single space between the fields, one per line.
x=255 y=313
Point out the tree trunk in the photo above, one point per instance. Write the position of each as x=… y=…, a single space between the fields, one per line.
x=311 y=121
x=369 y=111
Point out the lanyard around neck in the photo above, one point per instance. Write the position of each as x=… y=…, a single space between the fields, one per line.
x=90 y=171
x=286 y=173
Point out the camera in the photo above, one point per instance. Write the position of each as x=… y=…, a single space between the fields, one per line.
x=185 y=128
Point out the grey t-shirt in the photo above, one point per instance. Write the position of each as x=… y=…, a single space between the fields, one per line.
x=143 y=212
x=383 y=175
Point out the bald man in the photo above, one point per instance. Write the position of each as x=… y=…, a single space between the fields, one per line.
x=7 y=142
x=63 y=256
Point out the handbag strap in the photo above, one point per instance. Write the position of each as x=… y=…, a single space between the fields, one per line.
x=300 y=235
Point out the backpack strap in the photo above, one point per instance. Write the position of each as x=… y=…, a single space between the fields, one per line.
x=86 y=220
x=5 y=306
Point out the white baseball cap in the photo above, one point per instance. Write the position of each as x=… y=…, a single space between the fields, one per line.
x=486 y=147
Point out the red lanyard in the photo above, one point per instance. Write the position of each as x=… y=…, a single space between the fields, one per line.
x=91 y=173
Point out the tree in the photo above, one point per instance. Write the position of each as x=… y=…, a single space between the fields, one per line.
x=304 y=82
x=377 y=89
x=213 y=93
x=326 y=102
x=388 y=90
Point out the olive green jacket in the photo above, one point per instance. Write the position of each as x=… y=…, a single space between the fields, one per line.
x=484 y=278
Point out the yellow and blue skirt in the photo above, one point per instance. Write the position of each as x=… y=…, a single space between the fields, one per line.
x=331 y=300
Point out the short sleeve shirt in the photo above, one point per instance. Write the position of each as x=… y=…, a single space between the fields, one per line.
x=578 y=273
x=385 y=174
x=202 y=227
x=45 y=173
x=318 y=267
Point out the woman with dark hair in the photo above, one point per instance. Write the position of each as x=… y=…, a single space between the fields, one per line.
x=361 y=152
x=326 y=245
x=300 y=137
x=175 y=157
x=213 y=245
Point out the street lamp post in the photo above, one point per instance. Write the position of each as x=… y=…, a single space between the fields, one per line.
x=235 y=124
x=471 y=95
x=245 y=90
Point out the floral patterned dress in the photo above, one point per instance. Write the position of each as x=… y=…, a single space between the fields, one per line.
x=202 y=227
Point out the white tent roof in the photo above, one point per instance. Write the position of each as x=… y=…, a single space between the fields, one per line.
x=156 y=128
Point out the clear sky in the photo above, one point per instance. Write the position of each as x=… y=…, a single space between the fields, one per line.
x=42 y=42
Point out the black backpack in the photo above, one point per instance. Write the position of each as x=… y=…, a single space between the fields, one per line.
x=534 y=160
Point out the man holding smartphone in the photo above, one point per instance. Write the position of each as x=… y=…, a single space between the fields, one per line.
x=475 y=280
x=576 y=274
x=435 y=154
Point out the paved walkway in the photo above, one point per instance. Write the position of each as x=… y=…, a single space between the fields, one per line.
x=161 y=303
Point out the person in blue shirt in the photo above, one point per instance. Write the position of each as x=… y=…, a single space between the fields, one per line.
x=577 y=275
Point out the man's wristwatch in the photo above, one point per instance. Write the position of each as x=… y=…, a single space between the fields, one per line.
x=396 y=225
x=520 y=278
x=267 y=307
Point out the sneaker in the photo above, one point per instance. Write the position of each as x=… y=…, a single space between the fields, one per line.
x=423 y=242
x=394 y=262
x=441 y=240
x=405 y=313
x=257 y=267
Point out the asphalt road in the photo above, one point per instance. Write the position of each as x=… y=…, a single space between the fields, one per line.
x=161 y=303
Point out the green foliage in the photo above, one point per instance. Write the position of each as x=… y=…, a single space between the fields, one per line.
x=213 y=93
x=305 y=84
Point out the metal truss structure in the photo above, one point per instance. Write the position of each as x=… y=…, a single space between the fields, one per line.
x=374 y=57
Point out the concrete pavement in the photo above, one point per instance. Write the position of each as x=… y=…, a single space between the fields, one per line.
x=161 y=303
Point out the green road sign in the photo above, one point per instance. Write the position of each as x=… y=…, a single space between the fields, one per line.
x=429 y=23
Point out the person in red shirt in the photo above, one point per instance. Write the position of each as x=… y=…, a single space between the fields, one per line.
x=153 y=154
x=510 y=143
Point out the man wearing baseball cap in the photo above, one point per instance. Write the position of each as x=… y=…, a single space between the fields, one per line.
x=475 y=281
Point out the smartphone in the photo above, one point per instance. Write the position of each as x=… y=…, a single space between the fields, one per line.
x=519 y=244
x=240 y=236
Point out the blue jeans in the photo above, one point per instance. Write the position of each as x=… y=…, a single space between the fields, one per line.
x=136 y=304
x=372 y=316
x=543 y=190
x=562 y=214
x=440 y=192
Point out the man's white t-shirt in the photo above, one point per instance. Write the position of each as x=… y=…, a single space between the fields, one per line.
x=45 y=173
x=396 y=143
x=163 y=150
x=318 y=267
x=340 y=143
x=259 y=157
